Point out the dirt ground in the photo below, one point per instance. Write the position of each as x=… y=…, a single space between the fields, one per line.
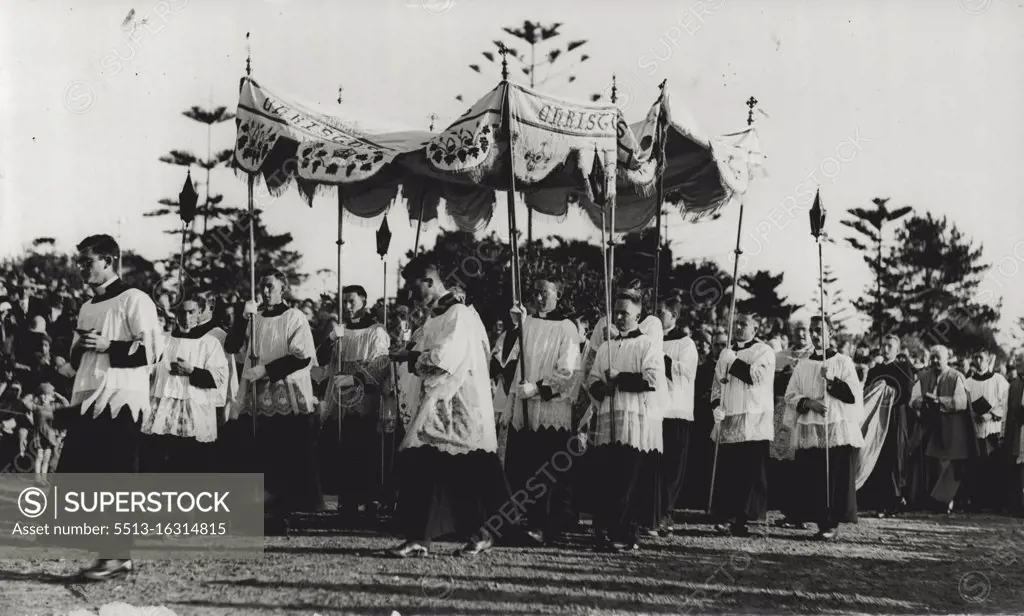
x=919 y=564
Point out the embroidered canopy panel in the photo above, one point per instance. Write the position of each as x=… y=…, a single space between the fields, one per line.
x=563 y=153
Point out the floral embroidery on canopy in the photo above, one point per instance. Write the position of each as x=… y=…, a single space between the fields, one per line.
x=464 y=148
x=325 y=161
x=255 y=140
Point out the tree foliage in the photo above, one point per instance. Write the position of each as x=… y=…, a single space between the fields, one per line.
x=220 y=258
x=482 y=267
x=869 y=226
x=932 y=278
x=764 y=300
x=839 y=309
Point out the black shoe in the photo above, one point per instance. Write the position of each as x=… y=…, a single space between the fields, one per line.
x=533 y=538
x=827 y=534
x=622 y=547
x=409 y=549
x=107 y=569
x=789 y=524
x=475 y=548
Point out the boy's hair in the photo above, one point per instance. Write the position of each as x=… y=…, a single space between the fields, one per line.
x=630 y=295
x=672 y=305
x=100 y=245
x=354 y=288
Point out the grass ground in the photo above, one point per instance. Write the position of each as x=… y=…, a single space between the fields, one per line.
x=918 y=564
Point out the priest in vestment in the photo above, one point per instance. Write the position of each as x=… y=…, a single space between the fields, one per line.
x=282 y=443
x=825 y=401
x=744 y=409
x=885 y=489
x=544 y=428
x=989 y=393
x=118 y=341
x=450 y=478
x=189 y=386
x=782 y=471
x=627 y=440
x=680 y=354
x=359 y=374
x=947 y=426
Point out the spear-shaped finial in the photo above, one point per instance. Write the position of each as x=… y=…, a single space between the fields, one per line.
x=817 y=215
x=504 y=63
x=248 y=56
x=615 y=90
x=751 y=103
x=383 y=238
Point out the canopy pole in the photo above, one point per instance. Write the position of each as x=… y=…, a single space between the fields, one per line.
x=824 y=358
x=732 y=307
x=253 y=356
x=608 y=313
x=341 y=319
x=610 y=179
x=611 y=201
x=419 y=227
x=513 y=241
x=662 y=138
x=181 y=264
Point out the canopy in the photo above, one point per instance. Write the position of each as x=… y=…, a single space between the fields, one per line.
x=562 y=151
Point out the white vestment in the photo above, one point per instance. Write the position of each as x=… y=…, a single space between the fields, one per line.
x=996 y=391
x=277 y=337
x=363 y=350
x=552 y=358
x=841 y=424
x=683 y=354
x=749 y=408
x=637 y=415
x=128 y=316
x=454 y=412
x=230 y=392
x=179 y=408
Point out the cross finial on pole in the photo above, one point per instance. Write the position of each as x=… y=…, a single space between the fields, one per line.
x=340 y=90
x=433 y=118
x=615 y=90
x=248 y=55
x=504 y=63
x=751 y=103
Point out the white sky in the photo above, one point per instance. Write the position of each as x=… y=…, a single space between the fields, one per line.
x=931 y=90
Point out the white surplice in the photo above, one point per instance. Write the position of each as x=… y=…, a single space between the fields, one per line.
x=841 y=424
x=638 y=417
x=128 y=316
x=749 y=408
x=683 y=353
x=179 y=408
x=453 y=411
x=552 y=356
x=363 y=350
x=277 y=337
x=996 y=391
